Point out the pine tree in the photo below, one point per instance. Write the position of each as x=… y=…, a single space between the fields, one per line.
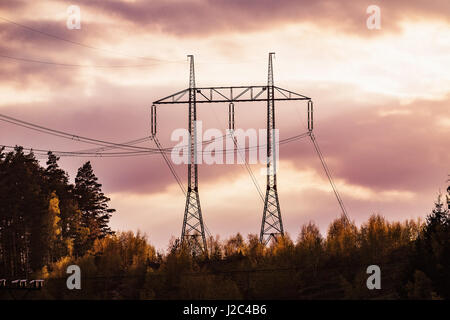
x=433 y=249
x=23 y=206
x=55 y=175
x=57 y=181
x=93 y=204
x=437 y=220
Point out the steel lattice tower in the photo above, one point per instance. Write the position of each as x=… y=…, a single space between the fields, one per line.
x=271 y=225
x=193 y=228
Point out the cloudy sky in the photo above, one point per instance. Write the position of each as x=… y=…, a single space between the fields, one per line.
x=382 y=100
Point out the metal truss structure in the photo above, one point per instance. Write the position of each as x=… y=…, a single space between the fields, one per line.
x=193 y=227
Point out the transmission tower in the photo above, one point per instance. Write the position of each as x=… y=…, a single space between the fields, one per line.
x=193 y=227
x=271 y=225
x=193 y=230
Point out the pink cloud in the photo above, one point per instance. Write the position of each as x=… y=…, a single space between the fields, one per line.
x=190 y=18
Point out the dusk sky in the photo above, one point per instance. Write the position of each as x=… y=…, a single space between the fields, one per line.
x=381 y=98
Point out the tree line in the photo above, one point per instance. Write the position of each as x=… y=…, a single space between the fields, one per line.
x=48 y=224
x=43 y=217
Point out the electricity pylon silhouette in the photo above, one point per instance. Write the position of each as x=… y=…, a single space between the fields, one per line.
x=193 y=231
x=272 y=225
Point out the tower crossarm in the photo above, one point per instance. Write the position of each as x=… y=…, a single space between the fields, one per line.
x=231 y=94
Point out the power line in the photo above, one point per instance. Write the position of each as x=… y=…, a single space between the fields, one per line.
x=123 y=146
x=249 y=170
x=247 y=167
x=88 y=46
x=101 y=149
x=66 y=135
x=74 y=137
x=44 y=152
x=83 y=44
x=72 y=65
x=169 y=164
x=175 y=175
x=95 y=153
x=330 y=178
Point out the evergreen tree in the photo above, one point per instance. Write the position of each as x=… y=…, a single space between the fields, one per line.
x=56 y=177
x=57 y=181
x=93 y=204
x=23 y=207
x=44 y=218
x=432 y=255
